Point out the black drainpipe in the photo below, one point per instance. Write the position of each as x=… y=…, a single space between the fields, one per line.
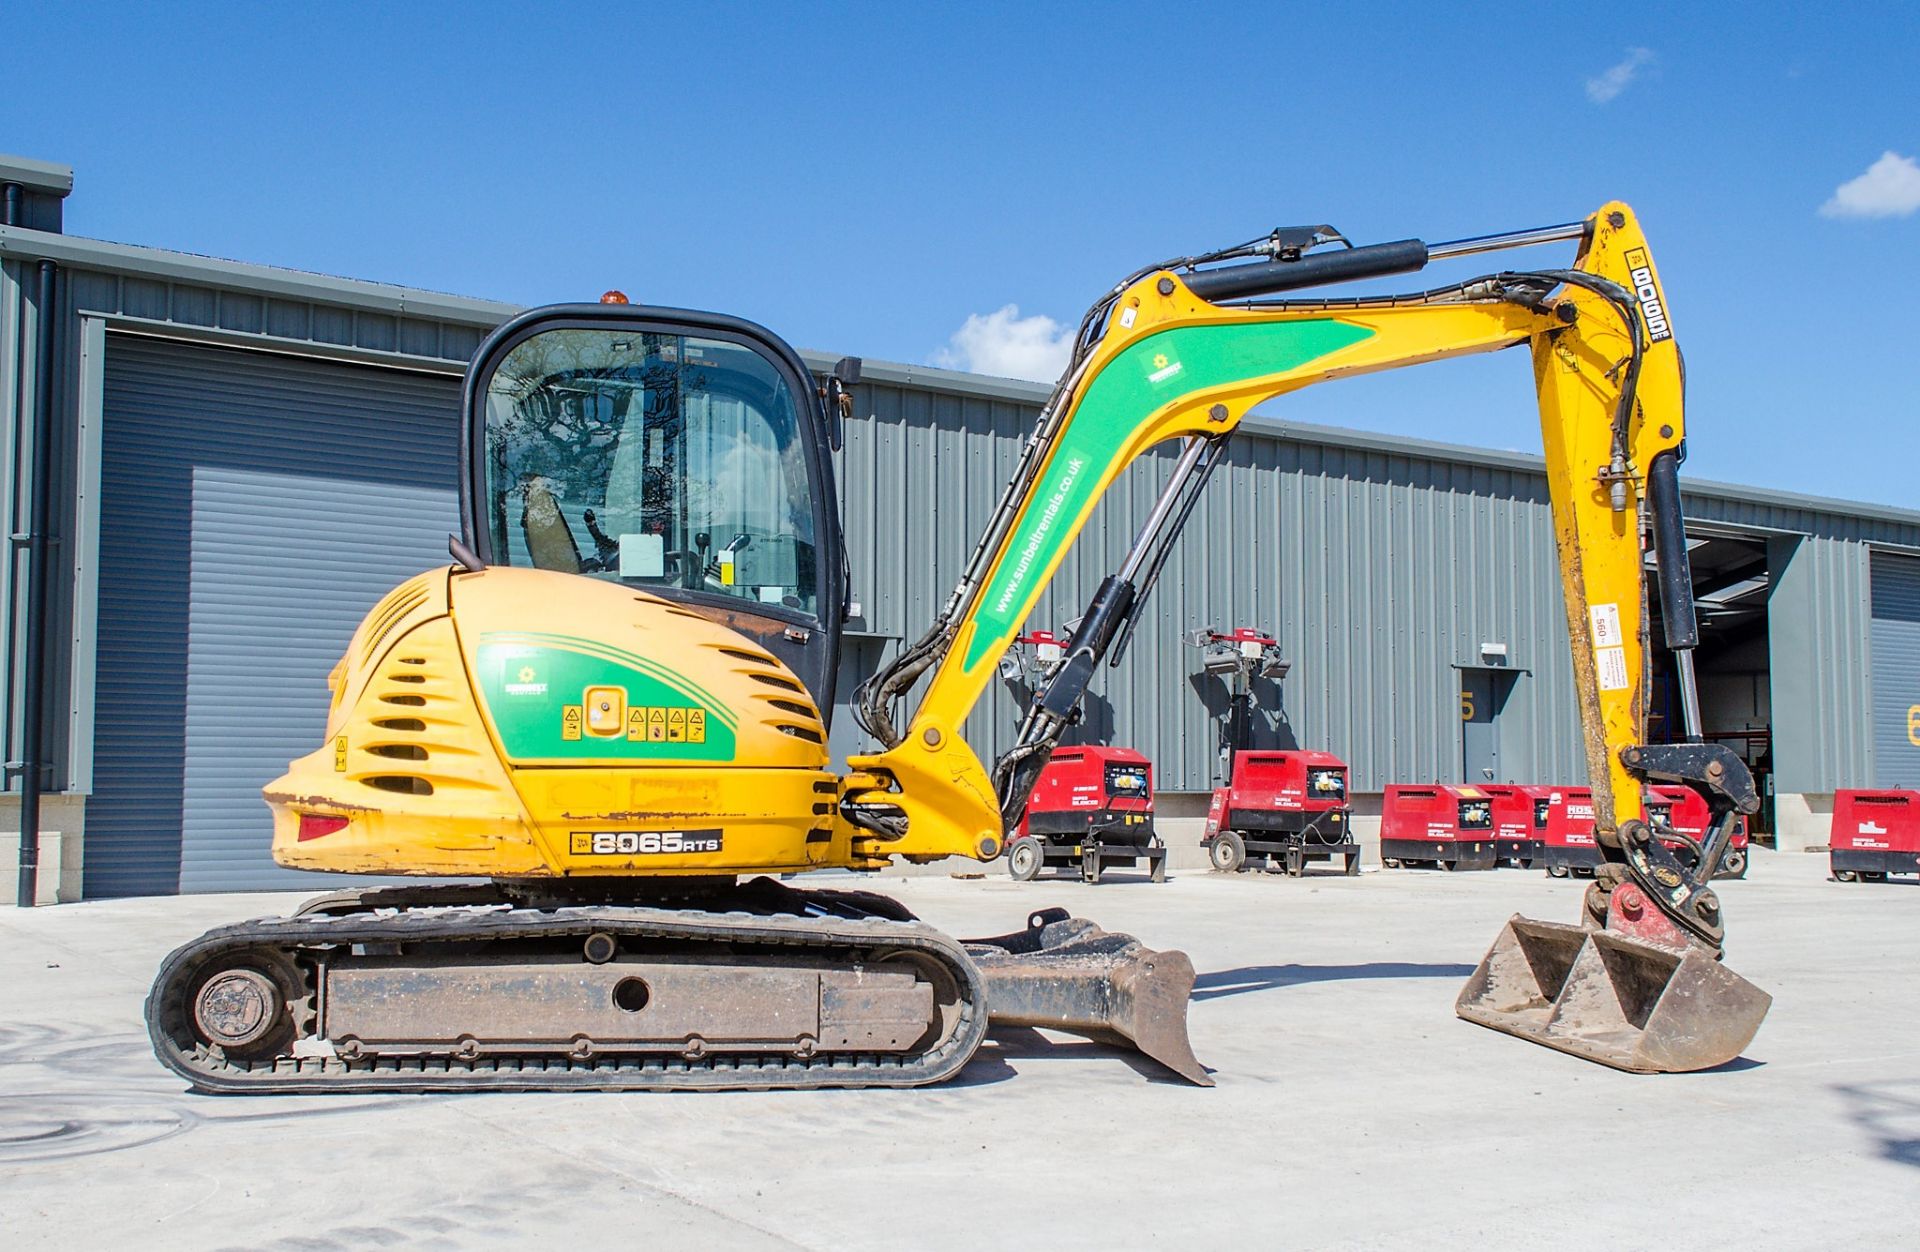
x=33 y=685
x=16 y=197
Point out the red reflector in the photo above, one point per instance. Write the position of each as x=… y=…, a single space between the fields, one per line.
x=313 y=825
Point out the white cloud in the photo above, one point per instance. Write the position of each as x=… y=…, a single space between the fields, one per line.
x=1889 y=188
x=1620 y=77
x=1004 y=343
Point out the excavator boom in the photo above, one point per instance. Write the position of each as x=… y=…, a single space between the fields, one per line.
x=1182 y=352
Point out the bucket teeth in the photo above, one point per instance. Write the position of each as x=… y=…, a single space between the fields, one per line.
x=1067 y=974
x=1623 y=1002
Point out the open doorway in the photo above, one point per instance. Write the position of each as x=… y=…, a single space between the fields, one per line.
x=1731 y=579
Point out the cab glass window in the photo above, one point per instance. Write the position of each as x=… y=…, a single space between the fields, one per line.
x=653 y=459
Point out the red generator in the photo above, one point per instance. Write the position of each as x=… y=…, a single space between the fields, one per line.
x=1092 y=807
x=1518 y=813
x=1687 y=812
x=1875 y=833
x=1448 y=827
x=1289 y=808
x=1565 y=825
x=1567 y=845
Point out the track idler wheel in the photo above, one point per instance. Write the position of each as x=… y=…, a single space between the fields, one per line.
x=237 y=1008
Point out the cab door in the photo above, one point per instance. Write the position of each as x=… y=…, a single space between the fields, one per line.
x=684 y=455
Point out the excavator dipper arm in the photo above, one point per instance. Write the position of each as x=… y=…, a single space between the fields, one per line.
x=1182 y=352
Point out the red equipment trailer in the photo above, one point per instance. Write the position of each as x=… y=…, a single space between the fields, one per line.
x=1875 y=833
x=1518 y=812
x=1092 y=806
x=1687 y=812
x=1447 y=826
x=1287 y=807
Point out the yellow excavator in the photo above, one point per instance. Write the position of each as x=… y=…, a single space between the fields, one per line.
x=612 y=709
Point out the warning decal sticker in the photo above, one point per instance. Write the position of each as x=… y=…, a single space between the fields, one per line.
x=1611 y=666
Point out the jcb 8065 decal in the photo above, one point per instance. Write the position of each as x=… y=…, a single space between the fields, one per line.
x=643 y=842
x=1652 y=306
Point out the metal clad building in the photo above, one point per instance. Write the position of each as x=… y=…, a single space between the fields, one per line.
x=244 y=459
x=1896 y=659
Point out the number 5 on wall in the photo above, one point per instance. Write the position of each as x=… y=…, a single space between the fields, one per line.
x=1466 y=708
x=1913 y=725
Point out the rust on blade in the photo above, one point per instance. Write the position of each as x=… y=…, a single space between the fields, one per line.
x=1066 y=973
x=1643 y=1007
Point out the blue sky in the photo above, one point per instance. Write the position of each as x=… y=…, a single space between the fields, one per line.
x=866 y=178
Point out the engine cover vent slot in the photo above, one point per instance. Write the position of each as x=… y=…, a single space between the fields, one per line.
x=401 y=601
x=799 y=732
x=402 y=784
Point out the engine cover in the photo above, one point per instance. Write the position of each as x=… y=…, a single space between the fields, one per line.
x=525 y=723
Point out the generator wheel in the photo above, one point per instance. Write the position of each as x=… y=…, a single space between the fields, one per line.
x=1845 y=875
x=1734 y=863
x=1229 y=852
x=1555 y=871
x=1090 y=866
x=1391 y=862
x=1024 y=859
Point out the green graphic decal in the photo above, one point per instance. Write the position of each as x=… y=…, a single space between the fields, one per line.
x=557 y=698
x=1139 y=382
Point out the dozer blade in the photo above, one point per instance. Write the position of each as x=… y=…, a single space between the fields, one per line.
x=1065 y=973
x=1637 y=1006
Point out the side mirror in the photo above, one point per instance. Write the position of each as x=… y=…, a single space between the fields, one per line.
x=839 y=396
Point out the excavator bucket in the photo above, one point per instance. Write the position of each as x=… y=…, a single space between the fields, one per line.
x=1065 y=973
x=1644 y=1007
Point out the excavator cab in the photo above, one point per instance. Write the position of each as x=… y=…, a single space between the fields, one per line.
x=682 y=454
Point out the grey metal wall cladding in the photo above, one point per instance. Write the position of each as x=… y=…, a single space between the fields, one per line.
x=1896 y=670
x=1377 y=572
x=254 y=507
x=1817 y=643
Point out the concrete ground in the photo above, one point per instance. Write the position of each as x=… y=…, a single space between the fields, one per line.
x=1353 y=1109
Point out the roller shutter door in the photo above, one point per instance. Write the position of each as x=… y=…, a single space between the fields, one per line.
x=253 y=508
x=1896 y=670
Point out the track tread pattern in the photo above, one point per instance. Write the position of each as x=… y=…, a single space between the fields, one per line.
x=166 y=1007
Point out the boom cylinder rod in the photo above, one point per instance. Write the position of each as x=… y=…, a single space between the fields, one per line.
x=1689 y=696
x=1195 y=484
x=1169 y=496
x=1511 y=239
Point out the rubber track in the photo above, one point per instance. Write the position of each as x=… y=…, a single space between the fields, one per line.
x=545 y=1071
